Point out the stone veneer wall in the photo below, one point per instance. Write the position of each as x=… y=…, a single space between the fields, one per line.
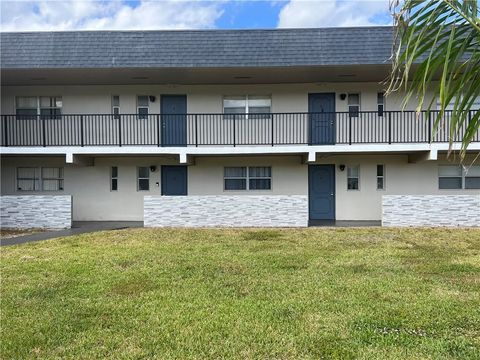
x=36 y=211
x=431 y=210
x=227 y=211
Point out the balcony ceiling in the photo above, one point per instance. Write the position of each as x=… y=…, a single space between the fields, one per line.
x=186 y=76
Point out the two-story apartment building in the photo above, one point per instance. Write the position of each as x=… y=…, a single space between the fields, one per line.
x=221 y=128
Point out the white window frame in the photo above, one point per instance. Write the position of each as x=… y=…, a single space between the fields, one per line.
x=116 y=107
x=36 y=179
x=382 y=104
x=466 y=175
x=350 y=114
x=247 y=105
x=463 y=175
x=39 y=107
x=40 y=177
x=113 y=178
x=59 y=179
x=143 y=178
x=143 y=116
x=353 y=177
x=247 y=178
x=383 y=177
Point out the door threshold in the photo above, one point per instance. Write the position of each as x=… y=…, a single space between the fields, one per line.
x=344 y=223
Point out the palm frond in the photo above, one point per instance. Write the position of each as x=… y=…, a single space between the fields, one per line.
x=436 y=53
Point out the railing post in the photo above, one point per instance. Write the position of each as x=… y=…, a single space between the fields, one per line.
x=272 y=130
x=81 y=131
x=196 y=130
x=349 y=129
x=159 y=141
x=429 y=127
x=234 y=134
x=119 y=130
x=44 y=135
x=389 y=127
x=5 y=129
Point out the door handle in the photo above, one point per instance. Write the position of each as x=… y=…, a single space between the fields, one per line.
x=331 y=194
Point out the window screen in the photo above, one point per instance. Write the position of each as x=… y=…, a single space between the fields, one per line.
x=28 y=179
x=143 y=179
x=353 y=177
x=449 y=177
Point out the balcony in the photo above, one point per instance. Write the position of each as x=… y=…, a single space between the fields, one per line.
x=173 y=130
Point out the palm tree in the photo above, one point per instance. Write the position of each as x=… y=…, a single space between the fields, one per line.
x=437 y=46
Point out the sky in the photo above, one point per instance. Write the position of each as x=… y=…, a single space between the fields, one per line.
x=51 y=15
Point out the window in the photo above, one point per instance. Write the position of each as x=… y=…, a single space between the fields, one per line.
x=251 y=178
x=30 y=106
x=116 y=106
x=475 y=104
x=142 y=106
x=260 y=178
x=472 y=177
x=28 y=179
x=143 y=179
x=353 y=177
x=114 y=178
x=51 y=106
x=380 y=103
x=235 y=178
x=353 y=104
x=26 y=106
x=450 y=177
x=52 y=179
x=252 y=106
x=380 y=177
x=455 y=177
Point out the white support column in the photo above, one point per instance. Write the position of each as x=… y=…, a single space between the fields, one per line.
x=183 y=158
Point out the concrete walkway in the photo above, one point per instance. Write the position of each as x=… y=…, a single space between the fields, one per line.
x=79 y=227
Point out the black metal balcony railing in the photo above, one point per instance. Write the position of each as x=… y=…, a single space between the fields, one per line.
x=389 y=127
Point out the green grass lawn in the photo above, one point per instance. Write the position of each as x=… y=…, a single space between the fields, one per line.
x=366 y=293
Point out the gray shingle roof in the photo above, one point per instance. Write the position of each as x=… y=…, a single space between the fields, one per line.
x=196 y=48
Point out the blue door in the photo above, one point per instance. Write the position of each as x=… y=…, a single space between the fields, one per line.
x=321 y=192
x=322 y=118
x=174 y=120
x=174 y=180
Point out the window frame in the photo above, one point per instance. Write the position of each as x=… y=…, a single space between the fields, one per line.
x=116 y=107
x=466 y=176
x=247 y=178
x=463 y=176
x=351 y=177
x=250 y=177
x=59 y=179
x=143 y=116
x=143 y=178
x=39 y=178
x=235 y=177
x=245 y=115
x=381 y=112
x=36 y=179
x=112 y=178
x=383 y=177
x=351 y=113
x=38 y=109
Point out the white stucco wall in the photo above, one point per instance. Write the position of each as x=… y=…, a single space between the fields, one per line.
x=93 y=200
x=90 y=99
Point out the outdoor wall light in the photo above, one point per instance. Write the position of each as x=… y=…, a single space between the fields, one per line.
x=343 y=96
x=341 y=167
x=153 y=168
x=152 y=98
